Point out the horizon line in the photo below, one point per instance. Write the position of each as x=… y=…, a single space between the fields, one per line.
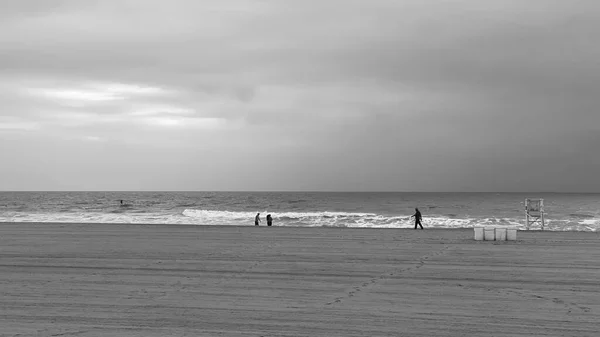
x=285 y=191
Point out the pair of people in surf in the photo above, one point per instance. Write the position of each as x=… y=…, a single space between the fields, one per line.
x=257 y=219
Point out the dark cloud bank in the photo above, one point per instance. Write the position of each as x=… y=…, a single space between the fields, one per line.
x=300 y=95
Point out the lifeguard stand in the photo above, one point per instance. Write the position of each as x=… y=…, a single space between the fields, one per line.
x=534 y=212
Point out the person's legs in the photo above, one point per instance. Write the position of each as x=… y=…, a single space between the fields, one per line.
x=419 y=222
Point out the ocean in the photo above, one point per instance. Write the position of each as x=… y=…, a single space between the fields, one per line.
x=563 y=211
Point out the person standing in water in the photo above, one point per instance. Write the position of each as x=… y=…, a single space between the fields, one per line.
x=418 y=218
x=257 y=219
x=269 y=220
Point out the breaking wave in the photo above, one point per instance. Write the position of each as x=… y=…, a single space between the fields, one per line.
x=294 y=219
x=373 y=220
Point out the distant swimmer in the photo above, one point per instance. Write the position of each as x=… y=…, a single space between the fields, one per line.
x=418 y=218
x=269 y=220
x=257 y=219
x=124 y=203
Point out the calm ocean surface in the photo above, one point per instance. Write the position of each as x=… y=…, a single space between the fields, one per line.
x=379 y=210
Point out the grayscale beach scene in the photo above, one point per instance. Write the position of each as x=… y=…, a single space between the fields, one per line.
x=261 y=168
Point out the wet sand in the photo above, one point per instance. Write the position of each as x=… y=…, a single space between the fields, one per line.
x=157 y=280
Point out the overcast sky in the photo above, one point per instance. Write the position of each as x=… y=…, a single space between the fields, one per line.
x=334 y=95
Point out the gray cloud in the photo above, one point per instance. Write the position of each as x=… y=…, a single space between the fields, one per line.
x=335 y=95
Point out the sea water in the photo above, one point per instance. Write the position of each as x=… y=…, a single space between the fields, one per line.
x=564 y=211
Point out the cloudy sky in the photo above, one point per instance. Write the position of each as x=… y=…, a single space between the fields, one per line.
x=335 y=95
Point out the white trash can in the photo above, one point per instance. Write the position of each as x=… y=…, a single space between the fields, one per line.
x=511 y=234
x=489 y=234
x=478 y=233
x=500 y=234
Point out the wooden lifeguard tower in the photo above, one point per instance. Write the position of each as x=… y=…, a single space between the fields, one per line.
x=534 y=212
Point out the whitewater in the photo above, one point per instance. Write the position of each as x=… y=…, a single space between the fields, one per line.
x=564 y=212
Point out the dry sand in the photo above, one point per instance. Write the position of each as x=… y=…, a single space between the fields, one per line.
x=154 y=280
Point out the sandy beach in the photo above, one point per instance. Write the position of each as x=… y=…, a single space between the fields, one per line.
x=159 y=280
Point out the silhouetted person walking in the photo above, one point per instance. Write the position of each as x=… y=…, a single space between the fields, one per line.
x=257 y=219
x=418 y=218
x=269 y=220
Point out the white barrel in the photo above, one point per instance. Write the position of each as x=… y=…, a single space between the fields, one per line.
x=478 y=233
x=500 y=234
x=489 y=234
x=511 y=234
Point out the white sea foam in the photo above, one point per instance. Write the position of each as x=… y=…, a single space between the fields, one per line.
x=95 y=217
x=590 y=222
x=300 y=219
x=342 y=219
x=296 y=218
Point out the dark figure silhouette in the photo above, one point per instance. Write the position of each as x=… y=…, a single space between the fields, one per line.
x=257 y=219
x=269 y=220
x=121 y=202
x=418 y=218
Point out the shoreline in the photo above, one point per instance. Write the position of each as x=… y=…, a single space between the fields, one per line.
x=175 y=225
x=159 y=280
